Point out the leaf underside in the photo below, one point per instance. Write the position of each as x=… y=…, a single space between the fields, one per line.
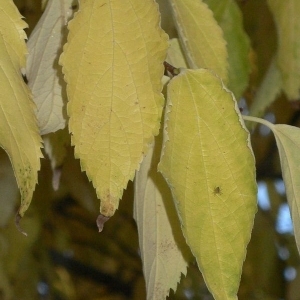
x=164 y=252
x=288 y=142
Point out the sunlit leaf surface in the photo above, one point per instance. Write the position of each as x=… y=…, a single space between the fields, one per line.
x=208 y=163
x=113 y=65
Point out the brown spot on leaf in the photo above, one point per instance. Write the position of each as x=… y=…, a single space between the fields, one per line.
x=107 y=206
x=100 y=222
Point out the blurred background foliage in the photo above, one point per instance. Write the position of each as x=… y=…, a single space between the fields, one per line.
x=64 y=256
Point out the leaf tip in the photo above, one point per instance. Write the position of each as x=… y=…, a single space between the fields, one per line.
x=17 y=222
x=100 y=221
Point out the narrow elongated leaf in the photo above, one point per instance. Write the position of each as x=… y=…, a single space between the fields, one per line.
x=42 y=71
x=113 y=68
x=200 y=35
x=18 y=127
x=288 y=143
x=165 y=254
x=208 y=163
x=268 y=91
x=230 y=19
x=286 y=15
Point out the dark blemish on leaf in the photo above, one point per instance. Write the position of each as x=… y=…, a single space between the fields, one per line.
x=100 y=222
x=17 y=222
x=217 y=191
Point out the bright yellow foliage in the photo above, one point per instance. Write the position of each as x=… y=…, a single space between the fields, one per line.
x=19 y=133
x=113 y=65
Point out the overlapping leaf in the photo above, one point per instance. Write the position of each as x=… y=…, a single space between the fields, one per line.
x=229 y=17
x=43 y=72
x=18 y=127
x=208 y=163
x=113 y=68
x=286 y=15
x=165 y=254
x=268 y=91
x=201 y=37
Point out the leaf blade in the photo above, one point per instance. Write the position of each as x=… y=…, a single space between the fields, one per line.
x=19 y=135
x=115 y=99
x=288 y=143
x=201 y=37
x=164 y=252
x=208 y=163
x=43 y=72
x=230 y=19
x=288 y=29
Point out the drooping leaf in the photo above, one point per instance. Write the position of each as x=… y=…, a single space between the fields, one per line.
x=113 y=69
x=42 y=71
x=267 y=92
x=19 y=135
x=288 y=143
x=208 y=163
x=164 y=252
x=229 y=17
x=286 y=16
x=201 y=37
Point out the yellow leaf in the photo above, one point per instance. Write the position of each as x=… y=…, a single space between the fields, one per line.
x=286 y=14
x=164 y=252
x=201 y=37
x=208 y=163
x=42 y=71
x=19 y=135
x=113 y=65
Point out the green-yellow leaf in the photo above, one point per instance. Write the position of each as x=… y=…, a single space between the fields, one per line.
x=288 y=143
x=230 y=18
x=286 y=14
x=113 y=65
x=43 y=72
x=164 y=252
x=201 y=37
x=19 y=134
x=268 y=91
x=208 y=163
